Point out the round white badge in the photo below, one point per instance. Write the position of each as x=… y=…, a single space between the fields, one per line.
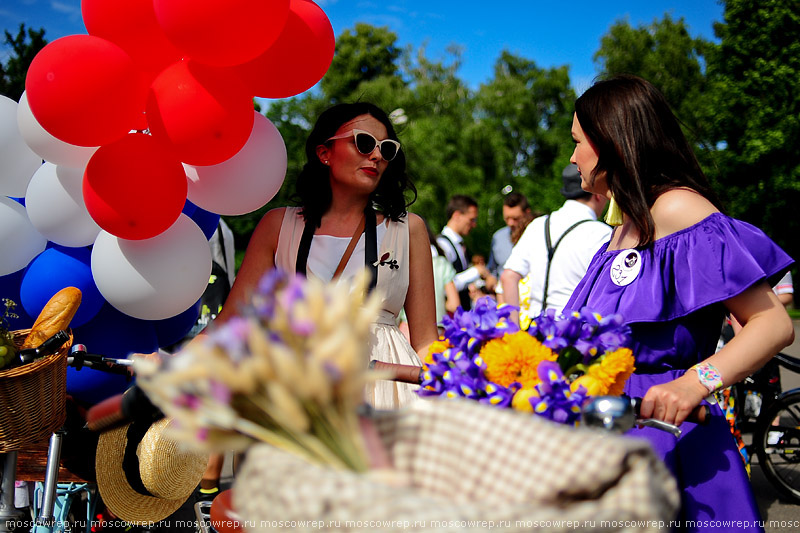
x=626 y=267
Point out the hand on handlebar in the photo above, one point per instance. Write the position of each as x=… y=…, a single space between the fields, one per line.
x=675 y=401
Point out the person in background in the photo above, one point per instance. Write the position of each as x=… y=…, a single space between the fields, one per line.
x=445 y=293
x=675 y=263
x=555 y=250
x=483 y=286
x=462 y=217
x=223 y=257
x=516 y=214
x=352 y=195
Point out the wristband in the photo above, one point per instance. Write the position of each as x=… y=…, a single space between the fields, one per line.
x=709 y=376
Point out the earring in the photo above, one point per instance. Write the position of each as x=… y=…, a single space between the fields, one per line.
x=325 y=162
x=614 y=214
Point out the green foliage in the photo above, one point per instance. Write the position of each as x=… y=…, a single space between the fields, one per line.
x=529 y=112
x=754 y=113
x=24 y=47
x=360 y=56
x=665 y=54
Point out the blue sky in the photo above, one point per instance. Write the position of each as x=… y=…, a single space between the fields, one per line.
x=551 y=33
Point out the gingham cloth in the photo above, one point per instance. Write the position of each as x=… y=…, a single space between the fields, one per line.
x=466 y=467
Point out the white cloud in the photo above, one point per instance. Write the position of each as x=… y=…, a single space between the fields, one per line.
x=70 y=8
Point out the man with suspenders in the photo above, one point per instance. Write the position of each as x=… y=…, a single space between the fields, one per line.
x=555 y=250
x=462 y=216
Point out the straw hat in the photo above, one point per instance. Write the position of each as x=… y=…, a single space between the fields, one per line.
x=167 y=471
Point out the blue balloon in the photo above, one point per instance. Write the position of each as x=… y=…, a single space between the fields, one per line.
x=52 y=270
x=207 y=220
x=9 y=288
x=189 y=208
x=113 y=334
x=170 y=331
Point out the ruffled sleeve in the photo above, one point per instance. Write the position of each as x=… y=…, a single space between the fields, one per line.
x=709 y=262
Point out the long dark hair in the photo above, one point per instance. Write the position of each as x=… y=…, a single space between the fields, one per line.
x=641 y=147
x=313 y=187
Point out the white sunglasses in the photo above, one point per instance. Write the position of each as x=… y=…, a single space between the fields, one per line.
x=366 y=143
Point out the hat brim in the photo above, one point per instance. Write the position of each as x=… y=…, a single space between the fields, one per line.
x=121 y=499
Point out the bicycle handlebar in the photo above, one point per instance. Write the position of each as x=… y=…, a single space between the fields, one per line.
x=78 y=358
x=413 y=375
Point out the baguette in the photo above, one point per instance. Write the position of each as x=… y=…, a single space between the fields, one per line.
x=55 y=316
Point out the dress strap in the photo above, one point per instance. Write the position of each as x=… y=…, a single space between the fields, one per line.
x=370 y=246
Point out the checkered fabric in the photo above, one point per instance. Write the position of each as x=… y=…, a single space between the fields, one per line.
x=463 y=466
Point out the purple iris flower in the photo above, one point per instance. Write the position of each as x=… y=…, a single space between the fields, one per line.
x=555 y=401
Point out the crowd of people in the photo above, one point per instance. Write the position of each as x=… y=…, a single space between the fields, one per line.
x=666 y=257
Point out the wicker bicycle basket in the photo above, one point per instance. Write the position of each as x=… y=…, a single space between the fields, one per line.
x=33 y=398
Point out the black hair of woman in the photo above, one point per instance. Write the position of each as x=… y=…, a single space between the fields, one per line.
x=313 y=189
x=640 y=145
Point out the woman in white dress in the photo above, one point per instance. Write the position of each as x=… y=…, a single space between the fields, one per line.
x=351 y=192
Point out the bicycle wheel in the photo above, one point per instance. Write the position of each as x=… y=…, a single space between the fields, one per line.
x=777 y=443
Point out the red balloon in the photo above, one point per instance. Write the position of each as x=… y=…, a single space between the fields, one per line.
x=222 y=32
x=223 y=518
x=297 y=60
x=131 y=25
x=203 y=116
x=134 y=188
x=85 y=90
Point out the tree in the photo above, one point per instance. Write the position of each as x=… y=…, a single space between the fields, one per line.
x=531 y=109
x=665 y=54
x=24 y=47
x=360 y=56
x=755 y=115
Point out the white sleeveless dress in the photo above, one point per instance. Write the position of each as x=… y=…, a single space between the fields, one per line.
x=386 y=343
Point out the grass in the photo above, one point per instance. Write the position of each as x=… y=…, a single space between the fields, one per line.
x=794 y=313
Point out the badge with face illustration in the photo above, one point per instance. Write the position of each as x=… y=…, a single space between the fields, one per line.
x=626 y=267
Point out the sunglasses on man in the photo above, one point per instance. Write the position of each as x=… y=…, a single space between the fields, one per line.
x=366 y=143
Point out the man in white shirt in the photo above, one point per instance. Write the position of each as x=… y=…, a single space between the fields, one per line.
x=575 y=236
x=462 y=216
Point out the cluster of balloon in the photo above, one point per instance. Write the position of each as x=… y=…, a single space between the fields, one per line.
x=127 y=146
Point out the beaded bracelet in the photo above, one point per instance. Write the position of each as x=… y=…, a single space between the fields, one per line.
x=709 y=376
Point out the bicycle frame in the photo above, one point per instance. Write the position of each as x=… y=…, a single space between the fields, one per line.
x=59 y=514
x=52 y=501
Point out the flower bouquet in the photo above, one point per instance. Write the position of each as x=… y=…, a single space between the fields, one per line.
x=289 y=371
x=549 y=369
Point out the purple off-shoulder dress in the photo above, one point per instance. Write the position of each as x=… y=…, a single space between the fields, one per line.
x=671 y=294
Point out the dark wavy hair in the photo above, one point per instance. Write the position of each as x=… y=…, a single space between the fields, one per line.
x=313 y=188
x=641 y=147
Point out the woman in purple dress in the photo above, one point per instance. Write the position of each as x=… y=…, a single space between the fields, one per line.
x=673 y=267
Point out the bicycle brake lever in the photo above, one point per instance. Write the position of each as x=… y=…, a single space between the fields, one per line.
x=659 y=424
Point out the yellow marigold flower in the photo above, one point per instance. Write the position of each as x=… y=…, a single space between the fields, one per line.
x=514 y=357
x=437 y=346
x=620 y=363
x=520 y=400
x=609 y=375
x=594 y=386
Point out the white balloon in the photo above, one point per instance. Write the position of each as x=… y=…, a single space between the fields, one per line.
x=54 y=201
x=48 y=147
x=21 y=241
x=155 y=278
x=17 y=161
x=246 y=181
